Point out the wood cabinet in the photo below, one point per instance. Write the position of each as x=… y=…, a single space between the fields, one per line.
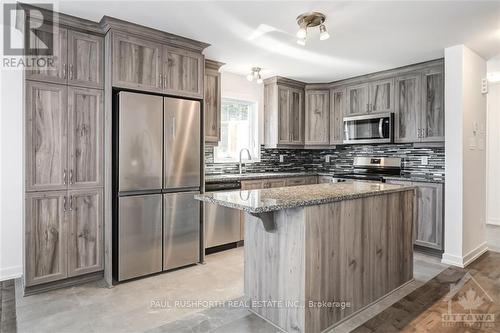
x=136 y=63
x=212 y=102
x=337 y=106
x=432 y=122
x=430 y=213
x=374 y=96
x=85 y=234
x=252 y=184
x=45 y=237
x=85 y=60
x=278 y=182
x=273 y=183
x=408 y=106
x=357 y=99
x=85 y=137
x=317 y=117
x=58 y=72
x=182 y=72
x=77 y=57
x=46 y=136
x=283 y=113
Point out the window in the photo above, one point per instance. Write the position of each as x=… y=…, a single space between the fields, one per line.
x=239 y=129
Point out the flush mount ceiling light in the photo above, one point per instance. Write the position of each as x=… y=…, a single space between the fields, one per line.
x=309 y=20
x=255 y=74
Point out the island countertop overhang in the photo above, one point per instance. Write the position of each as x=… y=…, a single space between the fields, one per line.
x=274 y=199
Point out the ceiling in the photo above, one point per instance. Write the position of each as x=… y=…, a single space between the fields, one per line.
x=366 y=36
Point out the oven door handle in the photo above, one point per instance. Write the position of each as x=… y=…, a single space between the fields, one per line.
x=380 y=128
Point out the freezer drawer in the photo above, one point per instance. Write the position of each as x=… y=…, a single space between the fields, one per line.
x=181 y=230
x=140 y=146
x=181 y=143
x=139 y=235
x=222 y=225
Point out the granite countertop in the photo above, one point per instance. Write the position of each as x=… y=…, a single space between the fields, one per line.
x=267 y=200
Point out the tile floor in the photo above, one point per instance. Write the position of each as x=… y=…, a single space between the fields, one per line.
x=147 y=305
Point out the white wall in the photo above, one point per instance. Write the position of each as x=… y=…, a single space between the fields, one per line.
x=493 y=159
x=465 y=160
x=11 y=171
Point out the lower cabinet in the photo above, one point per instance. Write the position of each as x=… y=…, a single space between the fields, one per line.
x=278 y=182
x=430 y=213
x=63 y=234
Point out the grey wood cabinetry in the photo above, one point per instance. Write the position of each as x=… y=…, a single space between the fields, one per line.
x=278 y=182
x=357 y=99
x=432 y=123
x=85 y=231
x=430 y=213
x=85 y=137
x=182 y=72
x=46 y=136
x=317 y=117
x=58 y=72
x=408 y=104
x=85 y=60
x=45 y=237
x=136 y=63
x=337 y=106
x=212 y=101
x=283 y=112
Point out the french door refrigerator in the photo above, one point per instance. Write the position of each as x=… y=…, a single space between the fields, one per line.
x=157 y=166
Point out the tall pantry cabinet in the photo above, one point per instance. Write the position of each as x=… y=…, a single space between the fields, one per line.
x=64 y=159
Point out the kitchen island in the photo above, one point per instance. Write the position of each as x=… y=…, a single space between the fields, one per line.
x=316 y=254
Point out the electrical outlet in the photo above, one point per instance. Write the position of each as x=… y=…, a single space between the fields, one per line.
x=327 y=158
x=484 y=86
x=282 y=158
x=425 y=160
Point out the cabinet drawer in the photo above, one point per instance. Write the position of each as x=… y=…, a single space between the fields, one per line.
x=252 y=184
x=272 y=183
x=296 y=181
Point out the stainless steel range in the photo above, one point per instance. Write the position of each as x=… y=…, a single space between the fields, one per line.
x=373 y=168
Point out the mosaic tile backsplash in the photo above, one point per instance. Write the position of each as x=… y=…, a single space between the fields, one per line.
x=341 y=159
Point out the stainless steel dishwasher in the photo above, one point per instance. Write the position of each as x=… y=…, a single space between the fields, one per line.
x=222 y=225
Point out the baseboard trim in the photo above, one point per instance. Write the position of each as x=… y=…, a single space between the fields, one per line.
x=69 y=282
x=12 y=272
x=493 y=221
x=462 y=262
x=493 y=248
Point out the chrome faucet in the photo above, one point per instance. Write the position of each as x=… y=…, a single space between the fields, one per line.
x=249 y=156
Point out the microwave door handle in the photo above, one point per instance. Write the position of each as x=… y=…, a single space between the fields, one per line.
x=380 y=128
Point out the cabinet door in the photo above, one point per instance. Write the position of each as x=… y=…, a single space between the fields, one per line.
x=46 y=136
x=284 y=115
x=382 y=96
x=357 y=99
x=58 y=37
x=183 y=72
x=273 y=183
x=85 y=240
x=432 y=122
x=296 y=181
x=136 y=63
x=212 y=106
x=85 y=137
x=429 y=228
x=252 y=184
x=85 y=59
x=337 y=106
x=296 y=117
x=45 y=237
x=317 y=117
x=408 y=98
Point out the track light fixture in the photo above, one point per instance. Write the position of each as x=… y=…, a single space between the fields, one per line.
x=309 y=20
x=255 y=74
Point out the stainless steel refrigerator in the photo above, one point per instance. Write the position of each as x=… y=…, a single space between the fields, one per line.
x=157 y=166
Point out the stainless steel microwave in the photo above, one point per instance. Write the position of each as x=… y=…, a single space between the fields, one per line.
x=371 y=128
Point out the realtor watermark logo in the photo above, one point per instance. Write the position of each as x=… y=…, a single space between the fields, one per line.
x=468 y=305
x=38 y=33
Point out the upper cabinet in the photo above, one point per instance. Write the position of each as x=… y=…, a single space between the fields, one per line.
x=283 y=113
x=317 y=116
x=357 y=99
x=182 y=72
x=212 y=101
x=432 y=123
x=136 y=63
x=77 y=58
x=337 y=106
x=375 y=96
x=155 y=61
x=408 y=105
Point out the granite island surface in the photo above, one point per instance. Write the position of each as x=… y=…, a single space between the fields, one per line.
x=317 y=254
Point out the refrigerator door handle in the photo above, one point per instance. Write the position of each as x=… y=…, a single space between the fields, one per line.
x=173 y=127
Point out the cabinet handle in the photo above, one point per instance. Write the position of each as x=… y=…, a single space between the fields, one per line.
x=64 y=70
x=367 y=107
x=429 y=132
x=71 y=203
x=161 y=81
x=71 y=176
x=64 y=203
x=64 y=177
x=71 y=71
x=165 y=81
